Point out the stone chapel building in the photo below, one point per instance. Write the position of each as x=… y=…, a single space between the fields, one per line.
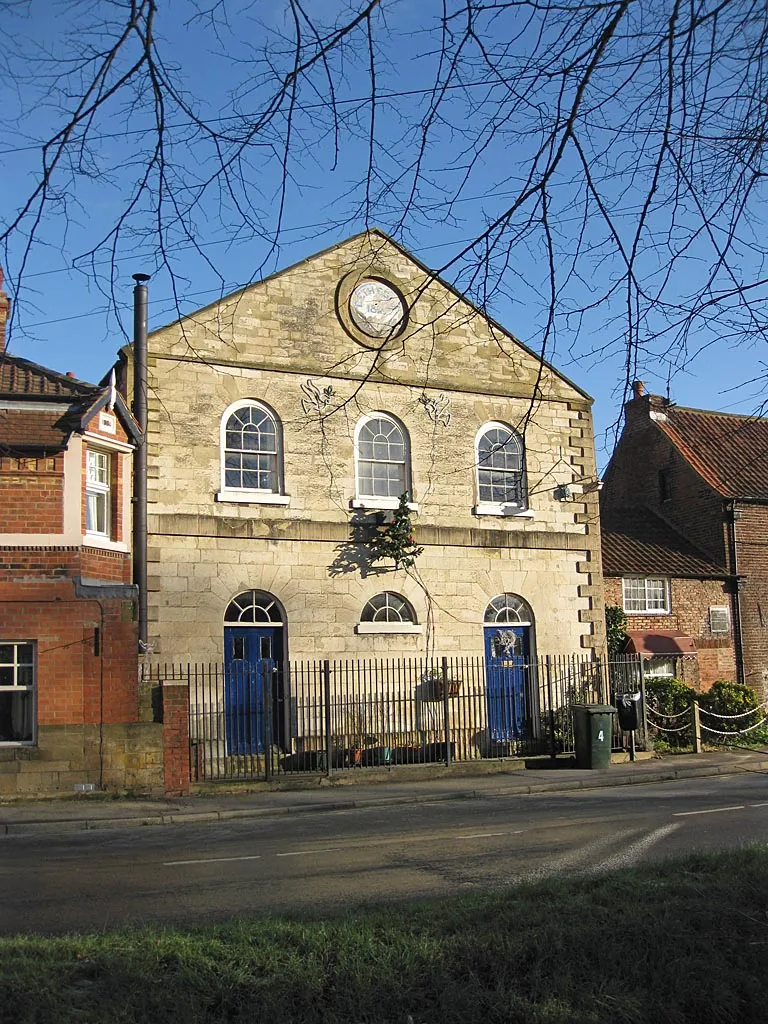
x=287 y=419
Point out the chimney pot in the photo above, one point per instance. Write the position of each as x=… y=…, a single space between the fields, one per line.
x=72 y=375
x=638 y=388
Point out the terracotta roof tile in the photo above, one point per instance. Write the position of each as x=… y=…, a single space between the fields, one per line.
x=22 y=377
x=635 y=540
x=22 y=429
x=729 y=452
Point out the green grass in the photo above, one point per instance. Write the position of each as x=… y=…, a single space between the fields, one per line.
x=685 y=941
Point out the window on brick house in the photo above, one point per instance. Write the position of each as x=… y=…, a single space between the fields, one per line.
x=719 y=619
x=98 y=493
x=17 y=692
x=647 y=594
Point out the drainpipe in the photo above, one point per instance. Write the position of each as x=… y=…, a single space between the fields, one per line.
x=140 y=455
x=731 y=515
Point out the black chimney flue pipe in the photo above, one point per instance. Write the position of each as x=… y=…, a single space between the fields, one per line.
x=140 y=455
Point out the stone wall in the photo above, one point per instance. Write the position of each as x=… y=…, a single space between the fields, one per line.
x=123 y=758
x=285 y=342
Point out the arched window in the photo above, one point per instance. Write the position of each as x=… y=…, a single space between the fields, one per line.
x=510 y=609
x=251 y=454
x=254 y=608
x=388 y=607
x=500 y=469
x=382 y=456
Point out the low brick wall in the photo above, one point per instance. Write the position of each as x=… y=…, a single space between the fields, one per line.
x=176 y=738
x=122 y=758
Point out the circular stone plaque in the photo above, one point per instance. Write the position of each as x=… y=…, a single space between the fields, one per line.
x=376 y=308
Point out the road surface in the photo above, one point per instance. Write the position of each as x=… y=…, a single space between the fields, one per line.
x=70 y=881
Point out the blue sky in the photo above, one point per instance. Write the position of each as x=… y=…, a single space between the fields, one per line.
x=72 y=309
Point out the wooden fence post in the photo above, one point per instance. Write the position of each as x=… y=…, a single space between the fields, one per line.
x=696 y=727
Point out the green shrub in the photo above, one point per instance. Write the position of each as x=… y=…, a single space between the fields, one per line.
x=729 y=699
x=670 y=697
x=616 y=630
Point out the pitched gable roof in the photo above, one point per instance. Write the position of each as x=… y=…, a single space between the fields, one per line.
x=69 y=405
x=730 y=452
x=382 y=242
x=636 y=540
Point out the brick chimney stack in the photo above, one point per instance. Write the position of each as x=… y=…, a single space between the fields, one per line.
x=5 y=312
x=638 y=388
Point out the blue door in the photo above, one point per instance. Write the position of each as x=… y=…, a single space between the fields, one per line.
x=252 y=658
x=507 y=656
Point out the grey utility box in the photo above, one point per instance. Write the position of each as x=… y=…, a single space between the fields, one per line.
x=592 y=729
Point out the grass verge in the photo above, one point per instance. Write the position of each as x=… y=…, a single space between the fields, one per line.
x=684 y=941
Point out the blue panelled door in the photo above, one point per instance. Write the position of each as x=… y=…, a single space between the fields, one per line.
x=252 y=656
x=507 y=655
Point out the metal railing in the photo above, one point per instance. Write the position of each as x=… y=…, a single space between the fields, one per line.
x=261 y=721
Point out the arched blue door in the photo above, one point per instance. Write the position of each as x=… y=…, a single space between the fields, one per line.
x=253 y=673
x=507 y=635
x=507 y=654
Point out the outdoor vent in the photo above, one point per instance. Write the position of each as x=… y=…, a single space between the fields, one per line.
x=719 y=621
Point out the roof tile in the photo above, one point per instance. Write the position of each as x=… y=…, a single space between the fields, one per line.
x=636 y=540
x=730 y=452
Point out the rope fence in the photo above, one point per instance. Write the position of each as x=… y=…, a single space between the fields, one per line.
x=696 y=727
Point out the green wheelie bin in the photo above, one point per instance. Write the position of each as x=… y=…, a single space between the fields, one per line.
x=592 y=728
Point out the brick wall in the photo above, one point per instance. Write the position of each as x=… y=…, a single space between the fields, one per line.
x=75 y=685
x=752 y=554
x=690 y=601
x=32 y=494
x=176 y=739
x=31 y=563
x=632 y=478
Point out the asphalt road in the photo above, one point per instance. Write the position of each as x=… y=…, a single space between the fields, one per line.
x=74 y=881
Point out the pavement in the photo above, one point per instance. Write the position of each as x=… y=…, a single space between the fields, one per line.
x=349 y=790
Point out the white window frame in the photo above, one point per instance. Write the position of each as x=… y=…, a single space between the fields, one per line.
x=658 y=667
x=627 y=598
x=377 y=501
x=252 y=495
x=501 y=508
x=15 y=687
x=387 y=625
x=100 y=490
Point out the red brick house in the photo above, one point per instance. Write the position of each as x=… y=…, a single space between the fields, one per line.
x=684 y=511
x=69 y=704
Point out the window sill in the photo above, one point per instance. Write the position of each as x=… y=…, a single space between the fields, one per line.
x=381 y=504
x=101 y=541
x=253 y=497
x=388 y=627
x=504 y=511
x=649 y=611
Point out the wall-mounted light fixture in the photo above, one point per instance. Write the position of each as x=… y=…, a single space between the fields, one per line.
x=562 y=492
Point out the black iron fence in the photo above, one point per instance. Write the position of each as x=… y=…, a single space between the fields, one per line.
x=251 y=721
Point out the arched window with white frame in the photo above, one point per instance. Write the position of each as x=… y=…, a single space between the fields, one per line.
x=382 y=461
x=388 y=612
x=251 y=454
x=501 y=482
